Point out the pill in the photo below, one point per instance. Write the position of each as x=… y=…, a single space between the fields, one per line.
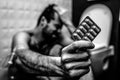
x=90 y=36
x=89 y=22
x=86 y=38
x=97 y=30
x=76 y=37
x=80 y=33
x=86 y=25
x=83 y=29
x=93 y=32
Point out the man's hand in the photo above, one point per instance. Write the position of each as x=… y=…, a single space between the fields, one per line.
x=76 y=59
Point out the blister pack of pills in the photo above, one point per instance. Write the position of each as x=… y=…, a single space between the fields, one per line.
x=87 y=30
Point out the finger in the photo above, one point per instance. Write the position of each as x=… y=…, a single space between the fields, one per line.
x=77 y=65
x=75 y=57
x=82 y=44
x=78 y=73
x=56 y=70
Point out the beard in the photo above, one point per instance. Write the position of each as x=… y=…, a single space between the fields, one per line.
x=48 y=35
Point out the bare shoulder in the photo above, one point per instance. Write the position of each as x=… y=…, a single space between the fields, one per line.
x=21 y=35
x=20 y=40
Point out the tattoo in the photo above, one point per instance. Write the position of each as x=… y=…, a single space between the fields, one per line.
x=45 y=65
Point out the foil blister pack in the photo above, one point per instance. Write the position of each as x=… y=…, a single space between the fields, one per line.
x=87 y=30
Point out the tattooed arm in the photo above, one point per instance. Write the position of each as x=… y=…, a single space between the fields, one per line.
x=66 y=32
x=76 y=64
x=34 y=62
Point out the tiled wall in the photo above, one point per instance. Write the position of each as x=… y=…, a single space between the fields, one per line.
x=17 y=15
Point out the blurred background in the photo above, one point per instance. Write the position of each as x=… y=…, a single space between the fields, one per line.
x=19 y=15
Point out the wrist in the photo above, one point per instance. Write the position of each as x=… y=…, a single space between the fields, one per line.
x=56 y=61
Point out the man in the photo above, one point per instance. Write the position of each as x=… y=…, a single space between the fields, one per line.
x=34 y=50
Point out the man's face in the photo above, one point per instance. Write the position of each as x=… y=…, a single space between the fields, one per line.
x=53 y=28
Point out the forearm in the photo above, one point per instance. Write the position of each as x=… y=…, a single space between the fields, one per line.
x=65 y=37
x=66 y=33
x=44 y=65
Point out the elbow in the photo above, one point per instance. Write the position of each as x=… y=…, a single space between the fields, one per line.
x=20 y=52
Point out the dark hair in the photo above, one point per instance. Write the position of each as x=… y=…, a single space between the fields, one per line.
x=48 y=13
